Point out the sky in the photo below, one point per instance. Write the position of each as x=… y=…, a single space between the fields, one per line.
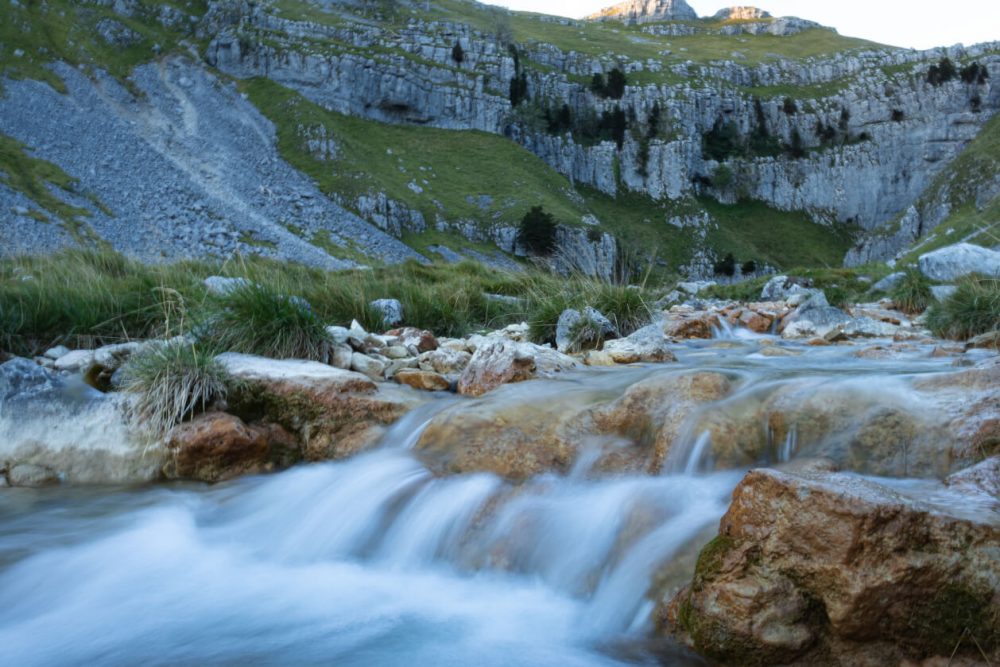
x=919 y=25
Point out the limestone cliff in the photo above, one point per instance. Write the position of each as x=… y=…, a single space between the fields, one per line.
x=646 y=11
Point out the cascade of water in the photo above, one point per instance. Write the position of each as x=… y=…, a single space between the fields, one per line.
x=788 y=446
x=701 y=445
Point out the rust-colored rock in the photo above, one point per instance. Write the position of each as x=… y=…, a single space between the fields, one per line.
x=423 y=380
x=422 y=341
x=682 y=323
x=826 y=569
x=217 y=446
x=334 y=413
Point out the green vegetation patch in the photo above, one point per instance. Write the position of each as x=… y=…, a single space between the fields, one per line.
x=33 y=178
x=430 y=170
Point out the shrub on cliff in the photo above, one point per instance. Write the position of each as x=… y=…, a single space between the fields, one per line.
x=171 y=382
x=537 y=232
x=257 y=319
x=972 y=310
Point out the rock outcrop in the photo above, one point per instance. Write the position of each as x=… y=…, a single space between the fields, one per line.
x=823 y=568
x=646 y=11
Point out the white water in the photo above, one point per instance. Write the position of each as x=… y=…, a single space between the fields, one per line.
x=375 y=561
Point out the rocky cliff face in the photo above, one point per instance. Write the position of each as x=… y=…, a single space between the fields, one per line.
x=856 y=141
x=647 y=11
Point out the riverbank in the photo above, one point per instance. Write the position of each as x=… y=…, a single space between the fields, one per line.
x=862 y=534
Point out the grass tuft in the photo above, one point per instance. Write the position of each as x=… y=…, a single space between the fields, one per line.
x=172 y=381
x=912 y=294
x=257 y=319
x=972 y=310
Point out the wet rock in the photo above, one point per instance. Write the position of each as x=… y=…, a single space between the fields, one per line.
x=517 y=432
x=216 y=446
x=652 y=413
x=986 y=341
x=647 y=345
x=65 y=426
x=423 y=380
x=500 y=361
x=31 y=475
x=831 y=569
x=982 y=478
x=961 y=259
x=334 y=413
x=598 y=358
x=685 y=322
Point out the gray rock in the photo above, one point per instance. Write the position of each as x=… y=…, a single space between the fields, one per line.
x=943 y=292
x=57 y=352
x=221 y=286
x=960 y=260
x=889 y=282
x=647 y=345
x=391 y=311
x=339 y=335
x=815 y=317
x=341 y=356
x=367 y=365
x=646 y=11
x=112 y=357
x=75 y=361
x=695 y=287
x=780 y=288
x=576 y=331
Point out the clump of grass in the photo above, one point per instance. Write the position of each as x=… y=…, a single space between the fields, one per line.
x=548 y=296
x=912 y=294
x=972 y=310
x=257 y=319
x=172 y=381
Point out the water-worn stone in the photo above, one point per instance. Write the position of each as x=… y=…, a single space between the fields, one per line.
x=500 y=361
x=216 y=446
x=961 y=259
x=823 y=569
x=421 y=341
x=445 y=360
x=423 y=380
x=684 y=322
x=647 y=345
x=334 y=413
x=31 y=475
x=69 y=428
x=367 y=365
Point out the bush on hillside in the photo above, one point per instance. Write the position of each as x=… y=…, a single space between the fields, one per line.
x=458 y=53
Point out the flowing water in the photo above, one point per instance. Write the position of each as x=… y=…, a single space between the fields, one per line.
x=376 y=561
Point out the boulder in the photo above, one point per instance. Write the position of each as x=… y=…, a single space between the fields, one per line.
x=779 y=288
x=31 y=475
x=366 y=365
x=391 y=311
x=820 y=568
x=70 y=429
x=334 y=413
x=423 y=380
x=814 y=317
x=576 y=331
x=500 y=361
x=77 y=361
x=943 y=292
x=647 y=345
x=955 y=261
x=888 y=283
x=216 y=446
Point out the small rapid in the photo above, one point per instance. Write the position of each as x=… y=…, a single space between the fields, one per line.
x=378 y=560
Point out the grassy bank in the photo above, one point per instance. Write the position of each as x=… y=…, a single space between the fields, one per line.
x=87 y=298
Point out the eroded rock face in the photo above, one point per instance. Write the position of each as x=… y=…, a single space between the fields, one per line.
x=334 y=413
x=824 y=568
x=961 y=259
x=646 y=11
x=499 y=361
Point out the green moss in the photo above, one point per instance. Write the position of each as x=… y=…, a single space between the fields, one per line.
x=711 y=560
